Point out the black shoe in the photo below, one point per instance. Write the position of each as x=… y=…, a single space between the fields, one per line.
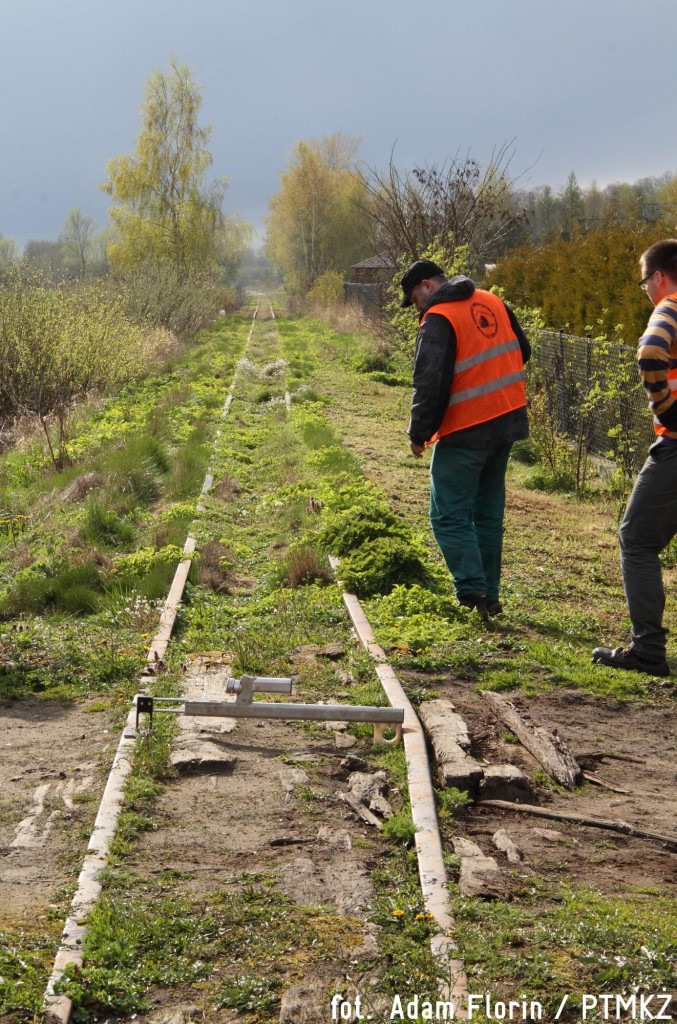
x=627 y=657
x=494 y=607
x=477 y=601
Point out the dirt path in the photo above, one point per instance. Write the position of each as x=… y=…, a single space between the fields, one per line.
x=53 y=765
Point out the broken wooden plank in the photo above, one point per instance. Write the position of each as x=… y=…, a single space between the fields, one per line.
x=508 y=846
x=546 y=746
x=591 y=777
x=360 y=809
x=580 y=819
x=450 y=740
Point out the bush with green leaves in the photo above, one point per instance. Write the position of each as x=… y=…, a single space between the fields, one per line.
x=328 y=289
x=415 y=620
x=159 y=294
x=356 y=514
x=59 y=343
x=380 y=564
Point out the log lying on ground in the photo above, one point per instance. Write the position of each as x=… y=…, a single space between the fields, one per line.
x=547 y=747
x=450 y=741
x=580 y=819
x=599 y=755
x=591 y=777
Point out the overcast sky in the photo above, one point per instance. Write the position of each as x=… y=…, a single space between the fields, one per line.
x=584 y=85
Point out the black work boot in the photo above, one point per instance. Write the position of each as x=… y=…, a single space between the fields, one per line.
x=628 y=658
x=478 y=601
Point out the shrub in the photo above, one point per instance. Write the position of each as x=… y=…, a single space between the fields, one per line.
x=328 y=289
x=523 y=451
x=159 y=295
x=381 y=563
x=352 y=527
x=59 y=343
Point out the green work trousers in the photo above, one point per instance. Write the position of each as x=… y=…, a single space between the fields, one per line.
x=467 y=503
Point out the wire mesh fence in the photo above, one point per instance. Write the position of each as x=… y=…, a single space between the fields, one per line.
x=593 y=394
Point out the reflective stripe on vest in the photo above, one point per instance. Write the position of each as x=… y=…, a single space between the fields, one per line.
x=488 y=388
x=489 y=370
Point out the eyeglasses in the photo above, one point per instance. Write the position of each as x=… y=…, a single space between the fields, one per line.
x=643 y=282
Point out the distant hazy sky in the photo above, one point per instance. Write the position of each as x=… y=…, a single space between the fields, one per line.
x=584 y=85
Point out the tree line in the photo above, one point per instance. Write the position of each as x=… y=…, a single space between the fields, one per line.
x=96 y=309
x=571 y=251
x=165 y=210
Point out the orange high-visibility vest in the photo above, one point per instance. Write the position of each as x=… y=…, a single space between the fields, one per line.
x=489 y=370
x=672 y=384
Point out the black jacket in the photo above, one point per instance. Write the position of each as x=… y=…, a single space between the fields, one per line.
x=434 y=361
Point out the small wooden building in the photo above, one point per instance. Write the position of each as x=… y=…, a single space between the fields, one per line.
x=377 y=269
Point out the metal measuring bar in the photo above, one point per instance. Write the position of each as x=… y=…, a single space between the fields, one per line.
x=243 y=688
x=244 y=707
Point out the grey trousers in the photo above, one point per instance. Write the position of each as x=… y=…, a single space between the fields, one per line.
x=649 y=524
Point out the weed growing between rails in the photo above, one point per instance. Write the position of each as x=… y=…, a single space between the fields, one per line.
x=98 y=543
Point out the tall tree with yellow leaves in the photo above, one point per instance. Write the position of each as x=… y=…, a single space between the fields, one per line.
x=165 y=210
x=315 y=223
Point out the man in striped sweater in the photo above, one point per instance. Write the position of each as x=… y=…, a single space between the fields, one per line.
x=650 y=520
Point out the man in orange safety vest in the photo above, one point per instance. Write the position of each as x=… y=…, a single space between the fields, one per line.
x=469 y=402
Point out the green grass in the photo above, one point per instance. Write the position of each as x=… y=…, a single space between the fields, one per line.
x=146 y=452
x=577 y=940
x=26 y=959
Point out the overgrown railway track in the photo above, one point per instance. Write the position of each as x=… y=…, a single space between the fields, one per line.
x=255 y=824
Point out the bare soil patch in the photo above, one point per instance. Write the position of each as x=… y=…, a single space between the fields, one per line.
x=54 y=760
x=609 y=861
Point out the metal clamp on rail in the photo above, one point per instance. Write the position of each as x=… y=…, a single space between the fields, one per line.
x=144 y=706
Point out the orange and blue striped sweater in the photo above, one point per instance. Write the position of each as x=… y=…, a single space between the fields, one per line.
x=657 y=362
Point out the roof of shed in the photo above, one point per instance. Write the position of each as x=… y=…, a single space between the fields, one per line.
x=381 y=260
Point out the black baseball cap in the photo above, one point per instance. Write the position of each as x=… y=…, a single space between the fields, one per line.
x=419 y=271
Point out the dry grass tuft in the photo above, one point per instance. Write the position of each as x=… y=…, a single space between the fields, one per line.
x=215 y=568
x=227 y=489
x=303 y=566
